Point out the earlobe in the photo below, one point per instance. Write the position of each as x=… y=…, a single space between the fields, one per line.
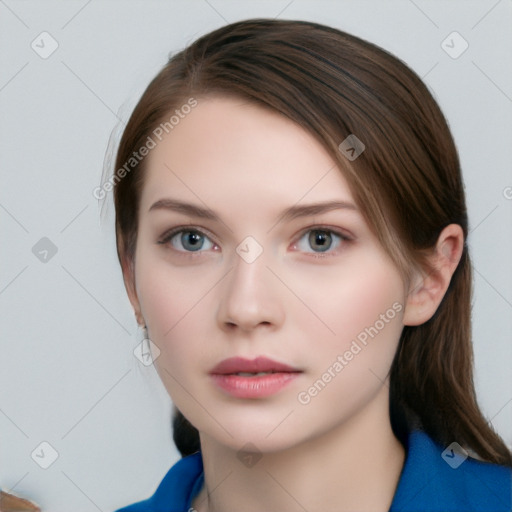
x=129 y=284
x=428 y=289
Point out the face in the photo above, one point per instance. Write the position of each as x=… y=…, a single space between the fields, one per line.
x=250 y=246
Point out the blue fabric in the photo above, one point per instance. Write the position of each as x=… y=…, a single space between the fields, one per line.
x=427 y=483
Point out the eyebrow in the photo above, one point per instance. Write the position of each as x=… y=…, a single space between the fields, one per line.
x=293 y=212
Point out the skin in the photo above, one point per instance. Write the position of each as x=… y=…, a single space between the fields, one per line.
x=294 y=303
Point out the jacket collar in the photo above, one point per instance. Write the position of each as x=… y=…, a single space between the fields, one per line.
x=429 y=481
x=441 y=479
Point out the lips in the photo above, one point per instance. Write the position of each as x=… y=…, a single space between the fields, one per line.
x=256 y=378
x=236 y=365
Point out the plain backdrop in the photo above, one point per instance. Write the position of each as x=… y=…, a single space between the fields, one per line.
x=69 y=378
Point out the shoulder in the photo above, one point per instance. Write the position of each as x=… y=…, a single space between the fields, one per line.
x=436 y=478
x=174 y=491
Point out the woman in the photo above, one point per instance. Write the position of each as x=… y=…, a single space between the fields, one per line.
x=291 y=226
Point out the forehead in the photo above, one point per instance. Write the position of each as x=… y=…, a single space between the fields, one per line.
x=227 y=150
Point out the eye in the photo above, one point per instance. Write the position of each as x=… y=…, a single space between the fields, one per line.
x=188 y=240
x=320 y=240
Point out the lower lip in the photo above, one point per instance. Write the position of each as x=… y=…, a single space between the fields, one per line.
x=254 y=387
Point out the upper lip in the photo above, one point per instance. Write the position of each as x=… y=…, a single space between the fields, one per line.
x=260 y=364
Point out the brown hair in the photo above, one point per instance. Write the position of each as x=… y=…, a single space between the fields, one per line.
x=407 y=184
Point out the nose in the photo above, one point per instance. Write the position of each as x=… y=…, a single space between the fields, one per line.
x=250 y=297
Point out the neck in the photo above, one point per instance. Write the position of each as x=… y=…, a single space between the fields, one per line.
x=355 y=466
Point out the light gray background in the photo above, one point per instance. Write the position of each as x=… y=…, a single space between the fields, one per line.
x=68 y=375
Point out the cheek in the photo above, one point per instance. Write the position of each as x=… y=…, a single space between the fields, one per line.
x=364 y=307
x=159 y=302
x=175 y=304
x=162 y=302
x=362 y=295
x=371 y=305
x=165 y=294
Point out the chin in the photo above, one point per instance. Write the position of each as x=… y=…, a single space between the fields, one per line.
x=268 y=433
x=259 y=442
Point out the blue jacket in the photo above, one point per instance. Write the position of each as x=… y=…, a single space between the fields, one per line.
x=432 y=480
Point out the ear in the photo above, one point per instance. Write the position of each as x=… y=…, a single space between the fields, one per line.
x=427 y=290
x=128 y=270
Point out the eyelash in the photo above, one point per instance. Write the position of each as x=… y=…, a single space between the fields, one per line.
x=168 y=236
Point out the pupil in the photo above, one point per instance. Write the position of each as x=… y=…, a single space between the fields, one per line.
x=320 y=240
x=191 y=240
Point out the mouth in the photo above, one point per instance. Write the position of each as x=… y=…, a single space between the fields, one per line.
x=251 y=367
x=256 y=378
x=249 y=374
